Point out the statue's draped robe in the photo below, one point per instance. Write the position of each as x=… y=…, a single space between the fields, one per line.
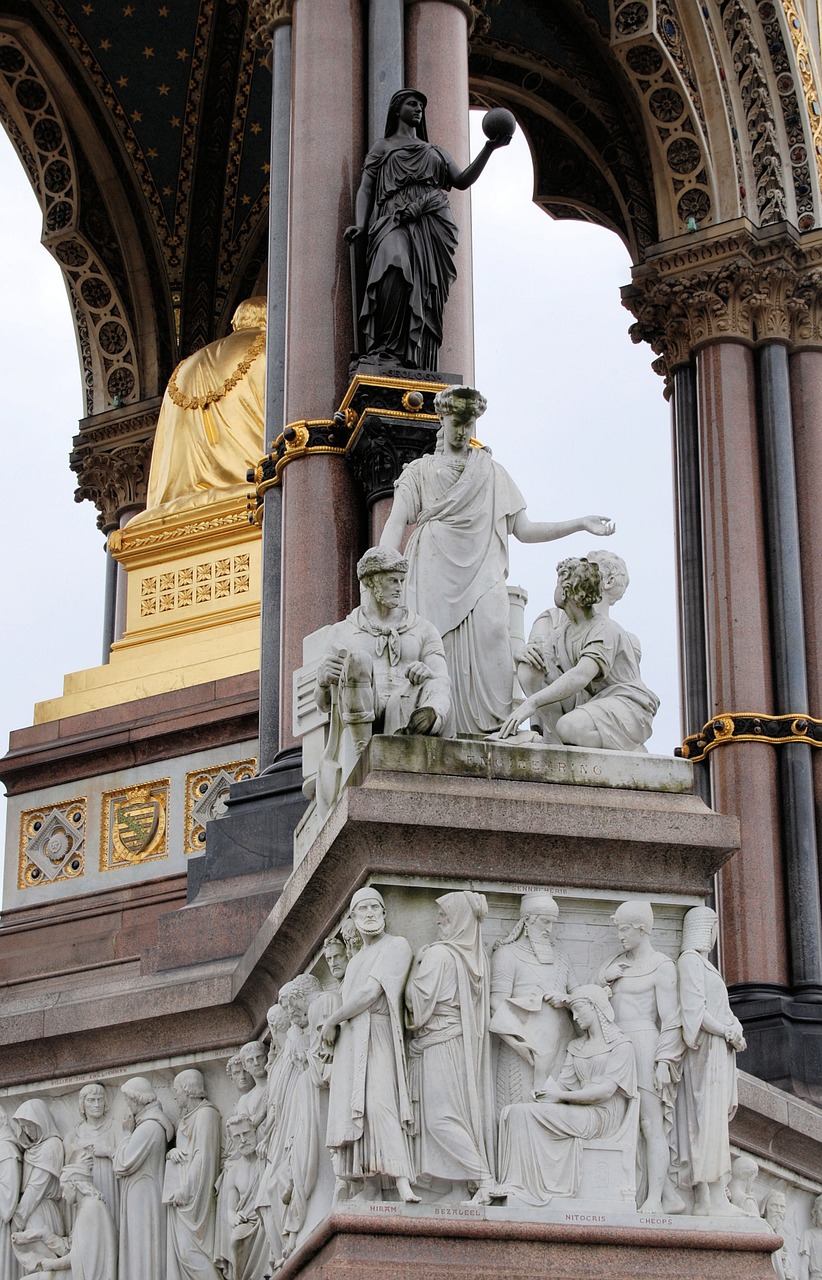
x=404 y=320
x=621 y=706
x=40 y=1204
x=201 y=455
x=458 y=563
x=93 y=1252
x=102 y=1140
x=707 y=1097
x=140 y=1163
x=520 y=983
x=369 y=1110
x=449 y=1066
x=191 y=1225
x=540 y=1143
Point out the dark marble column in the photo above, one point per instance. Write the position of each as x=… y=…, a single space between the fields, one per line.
x=109 y=605
x=789 y=668
x=270 y=621
x=806 y=401
x=436 y=52
x=744 y=775
x=693 y=662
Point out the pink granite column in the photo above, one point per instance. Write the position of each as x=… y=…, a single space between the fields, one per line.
x=743 y=775
x=320 y=507
x=436 y=60
x=806 y=403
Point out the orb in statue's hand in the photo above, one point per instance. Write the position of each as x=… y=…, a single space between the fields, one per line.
x=498 y=125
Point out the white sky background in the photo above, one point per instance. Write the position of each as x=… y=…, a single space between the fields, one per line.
x=575 y=414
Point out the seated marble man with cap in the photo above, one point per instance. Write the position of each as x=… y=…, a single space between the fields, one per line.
x=384 y=669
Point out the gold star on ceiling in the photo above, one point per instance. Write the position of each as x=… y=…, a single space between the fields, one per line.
x=152 y=153
x=166 y=191
x=105 y=45
x=266 y=168
x=175 y=122
x=148 y=52
x=162 y=12
x=128 y=11
x=182 y=55
x=246 y=199
x=256 y=128
x=123 y=81
x=162 y=89
x=137 y=117
x=88 y=9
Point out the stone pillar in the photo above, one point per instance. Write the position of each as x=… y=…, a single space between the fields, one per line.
x=743 y=775
x=320 y=506
x=806 y=401
x=109 y=606
x=693 y=669
x=436 y=44
x=386 y=60
x=789 y=670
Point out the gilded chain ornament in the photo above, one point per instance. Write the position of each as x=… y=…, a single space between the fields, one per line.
x=184 y=401
x=809 y=76
x=750 y=726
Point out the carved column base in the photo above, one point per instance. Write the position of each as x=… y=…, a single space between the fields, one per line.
x=783 y=1028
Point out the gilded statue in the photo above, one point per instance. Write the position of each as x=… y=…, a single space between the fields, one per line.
x=211 y=425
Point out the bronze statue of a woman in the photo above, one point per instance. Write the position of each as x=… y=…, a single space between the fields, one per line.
x=402 y=208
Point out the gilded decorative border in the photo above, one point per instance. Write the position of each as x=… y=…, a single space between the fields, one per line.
x=199 y=784
x=45 y=823
x=750 y=726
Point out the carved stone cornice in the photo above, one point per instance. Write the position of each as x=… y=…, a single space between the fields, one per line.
x=111 y=456
x=744 y=286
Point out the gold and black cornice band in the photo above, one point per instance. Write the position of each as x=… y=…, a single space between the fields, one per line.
x=750 y=726
x=302 y=439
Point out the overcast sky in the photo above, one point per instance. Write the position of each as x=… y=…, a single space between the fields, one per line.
x=575 y=414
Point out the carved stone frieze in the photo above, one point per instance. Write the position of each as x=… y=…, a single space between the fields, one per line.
x=111 y=457
x=740 y=286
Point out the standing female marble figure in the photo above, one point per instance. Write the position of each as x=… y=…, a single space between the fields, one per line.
x=139 y=1164
x=403 y=210
x=43 y=1158
x=10 y=1178
x=96 y=1134
x=465 y=506
x=540 y=1143
x=449 y=1069
x=707 y=1098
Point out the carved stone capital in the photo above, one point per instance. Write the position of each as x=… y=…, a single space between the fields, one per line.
x=744 y=286
x=393 y=421
x=111 y=456
x=264 y=16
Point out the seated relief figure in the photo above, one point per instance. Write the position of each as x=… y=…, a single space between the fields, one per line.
x=90 y=1251
x=369 y=1108
x=211 y=425
x=707 y=1098
x=383 y=670
x=531 y=976
x=465 y=506
x=586 y=691
x=643 y=987
x=541 y=1142
x=449 y=1059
